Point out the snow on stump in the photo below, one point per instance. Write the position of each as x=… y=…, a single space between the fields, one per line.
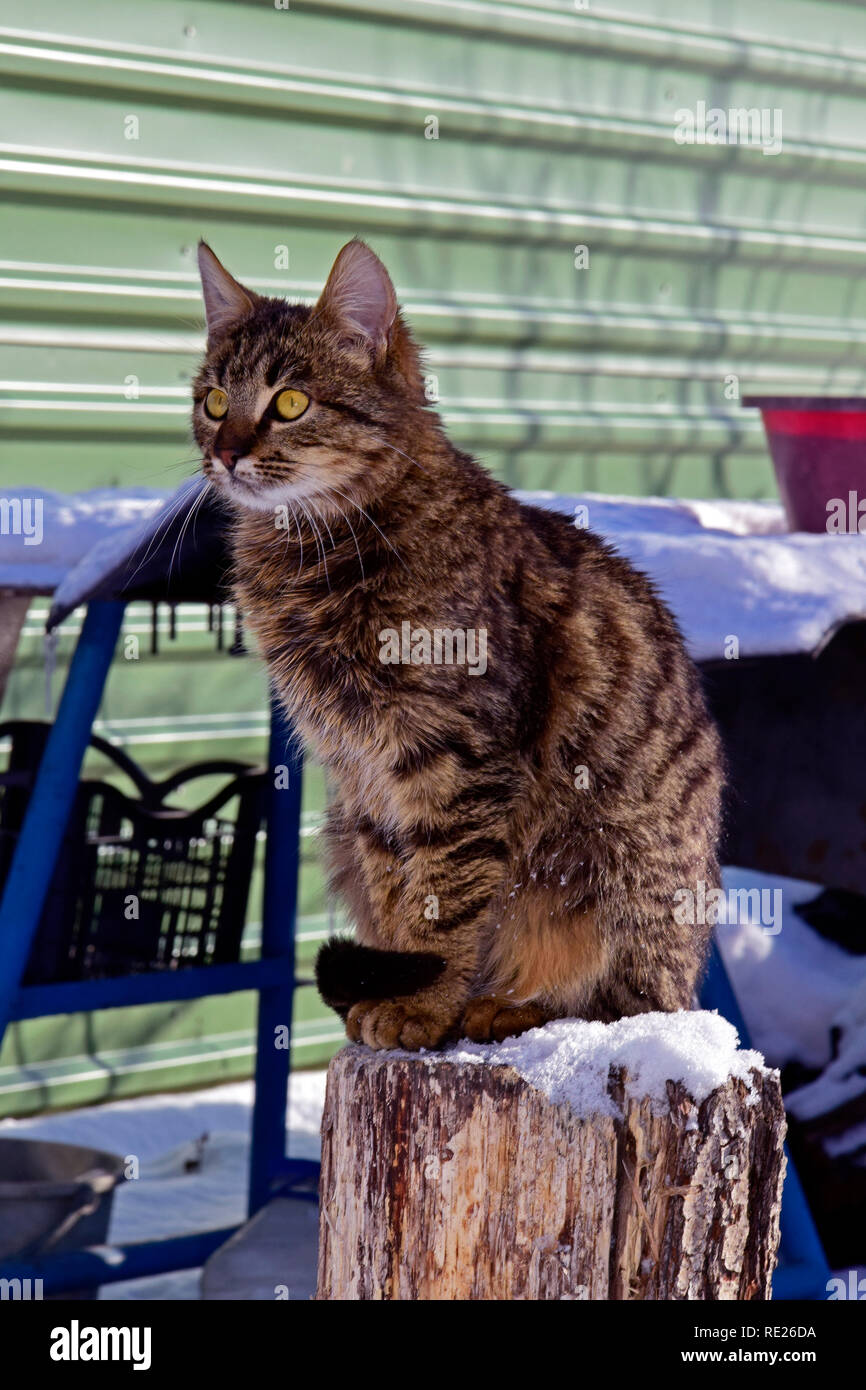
x=635 y=1160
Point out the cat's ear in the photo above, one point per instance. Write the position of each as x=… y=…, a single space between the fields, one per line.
x=225 y=301
x=359 y=299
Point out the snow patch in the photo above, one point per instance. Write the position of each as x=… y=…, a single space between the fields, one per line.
x=843 y=1079
x=569 y=1060
x=162 y=1133
x=74 y=524
x=792 y=986
x=731 y=568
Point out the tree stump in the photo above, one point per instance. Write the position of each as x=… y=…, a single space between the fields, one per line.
x=450 y=1180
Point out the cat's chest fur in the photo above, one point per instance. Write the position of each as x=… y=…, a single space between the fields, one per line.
x=364 y=719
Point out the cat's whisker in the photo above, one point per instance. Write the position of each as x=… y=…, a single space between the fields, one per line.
x=293 y=515
x=320 y=545
x=355 y=539
x=353 y=503
x=324 y=520
x=186 y=521
x=300 y=542
x=318 y=552
x=171 y=467
x=181 y=533
x=425 y=471
x=208 y=491
x=173 y=511
x=288 y=534
x=319 y=517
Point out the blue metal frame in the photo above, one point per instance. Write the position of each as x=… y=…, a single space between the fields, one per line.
x=273 y=975
x=112 y=1264
x=803 y=1271
x=53 y=794
x=267 y=1161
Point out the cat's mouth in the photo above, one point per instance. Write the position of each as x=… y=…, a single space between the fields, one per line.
x=243 y=475
x=230 y=482
x=247 y=487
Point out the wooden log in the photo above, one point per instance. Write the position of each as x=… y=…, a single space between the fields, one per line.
x=450 y=1180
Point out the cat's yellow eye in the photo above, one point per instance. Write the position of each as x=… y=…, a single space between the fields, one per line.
x=216 y=403
x=290 y=404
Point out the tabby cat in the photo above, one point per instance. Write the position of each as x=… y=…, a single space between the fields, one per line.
x=524 y=770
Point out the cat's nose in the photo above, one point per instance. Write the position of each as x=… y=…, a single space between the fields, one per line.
x=228 y=458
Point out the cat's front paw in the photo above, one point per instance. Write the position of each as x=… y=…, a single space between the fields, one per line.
x=390 y=1023
x=490 y=1018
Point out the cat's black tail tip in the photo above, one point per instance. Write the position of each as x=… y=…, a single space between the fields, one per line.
x=347 y=972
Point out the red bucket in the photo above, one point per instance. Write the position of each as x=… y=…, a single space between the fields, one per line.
x=818 y=447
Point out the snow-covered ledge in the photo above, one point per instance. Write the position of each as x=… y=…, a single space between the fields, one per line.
x=730 y=568
x=638 y=1159
x=726 y=568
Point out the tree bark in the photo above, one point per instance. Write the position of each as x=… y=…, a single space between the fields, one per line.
x=458 y=1181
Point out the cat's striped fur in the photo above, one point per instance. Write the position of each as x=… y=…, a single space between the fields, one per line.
x=506 y=885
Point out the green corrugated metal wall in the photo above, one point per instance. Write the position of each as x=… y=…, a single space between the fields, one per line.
x=262 y=129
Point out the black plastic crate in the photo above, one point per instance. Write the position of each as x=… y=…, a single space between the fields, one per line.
x=139 y=885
